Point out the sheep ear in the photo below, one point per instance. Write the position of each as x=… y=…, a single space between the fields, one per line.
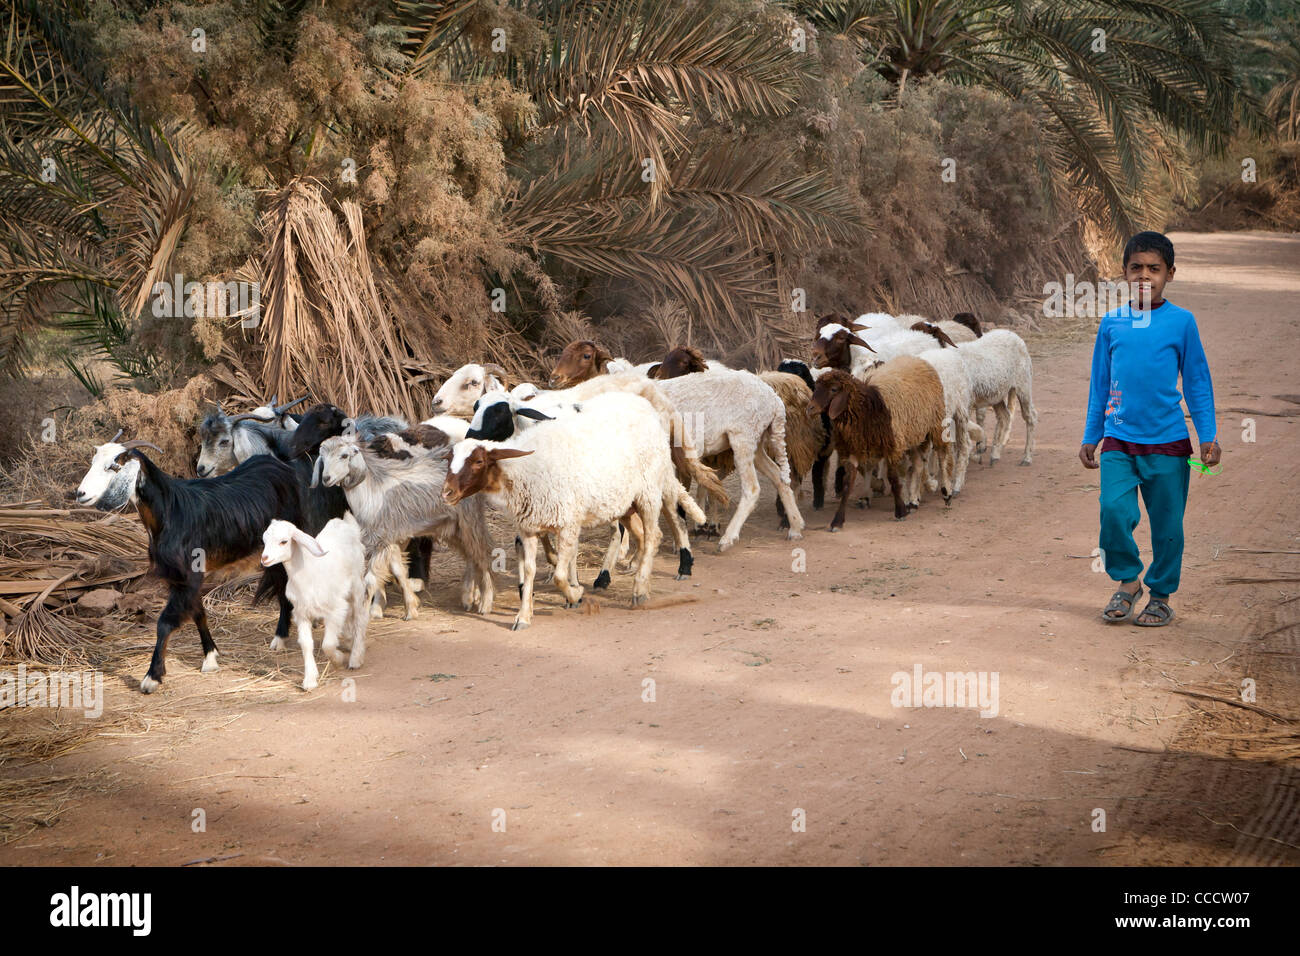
x=308 y=542
x=857 y=341
x=838 y=404
x=497 y=454
x=534 y=414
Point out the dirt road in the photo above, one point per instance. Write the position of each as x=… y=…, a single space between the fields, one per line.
x=772 y=686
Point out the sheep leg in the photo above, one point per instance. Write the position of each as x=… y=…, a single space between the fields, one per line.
x=681 y=537
x=528 y=571
x=566 y=546
x=967 y=434
x=896 y=485
x=954 y=454
x=784 y=494
x=977 y=415
x=636 y=530
x=819 y=483
x=1030 y=415
x=744 y=454
x=1001 y=432
x=549 y=549
x=846 y=492
x=611 y=555
x=916 y=462
x=649 y=511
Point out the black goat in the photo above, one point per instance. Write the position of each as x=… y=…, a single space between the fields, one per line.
x=194 y=525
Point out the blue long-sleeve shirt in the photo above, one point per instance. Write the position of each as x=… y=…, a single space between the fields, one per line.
x=1136 y=362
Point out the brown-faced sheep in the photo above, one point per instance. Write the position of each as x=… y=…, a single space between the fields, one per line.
x=893 y=416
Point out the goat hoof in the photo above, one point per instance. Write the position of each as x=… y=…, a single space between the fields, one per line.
x=725 y=544
x=337 y=657
x=519 y=626
x=148 y=685
x=639 y=599
x=309 y=685
x=601 y=582
x=794 y=536
x=835 y=527
x=354 y=662
x=1026 y=461
x=210 y=663
x=376 y=614
x=277 y=643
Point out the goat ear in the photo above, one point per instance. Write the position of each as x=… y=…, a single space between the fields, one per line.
x=857 y=341
x=653 y=370
x=315 y=472
x=497 y=454
x=603 y=358
x=308 y=542
x=838 y=404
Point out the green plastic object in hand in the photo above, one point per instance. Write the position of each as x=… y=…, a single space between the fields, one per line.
x=1204 y=468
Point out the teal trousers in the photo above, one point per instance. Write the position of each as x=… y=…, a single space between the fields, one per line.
x=1163 y=481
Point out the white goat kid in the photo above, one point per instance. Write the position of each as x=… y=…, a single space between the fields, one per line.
x=326 y=584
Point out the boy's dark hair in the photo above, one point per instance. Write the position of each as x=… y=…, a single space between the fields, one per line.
x=1150 y=242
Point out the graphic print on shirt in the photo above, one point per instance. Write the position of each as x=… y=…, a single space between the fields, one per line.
x=1112 y=406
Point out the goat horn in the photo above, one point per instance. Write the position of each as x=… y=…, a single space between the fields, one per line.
x=494 y=369
x=245 y=416
x=138 y=443
x=273 y=398
x=281 y=409
x=114 y=439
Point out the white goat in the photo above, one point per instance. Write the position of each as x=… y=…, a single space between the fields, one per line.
x=326 y=583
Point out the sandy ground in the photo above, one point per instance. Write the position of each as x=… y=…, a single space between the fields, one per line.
x=470 y=744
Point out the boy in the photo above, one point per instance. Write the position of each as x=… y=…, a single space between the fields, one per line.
x=1133 y=401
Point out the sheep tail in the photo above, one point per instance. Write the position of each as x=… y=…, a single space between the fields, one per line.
x=709 y=484
x=776 y=445
x=689 y=505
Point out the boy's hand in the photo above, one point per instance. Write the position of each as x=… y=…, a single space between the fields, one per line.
x=1087 y=455
x=1210 y=453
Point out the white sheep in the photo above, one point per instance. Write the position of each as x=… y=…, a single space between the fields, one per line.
x=465 y=386
x=737 y=410
x=326 y=583
x=596 y=467
x=1001 y=375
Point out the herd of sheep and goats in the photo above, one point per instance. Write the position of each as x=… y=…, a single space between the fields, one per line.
x=339 y=505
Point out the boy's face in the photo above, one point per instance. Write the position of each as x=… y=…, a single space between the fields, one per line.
x=1147 y=275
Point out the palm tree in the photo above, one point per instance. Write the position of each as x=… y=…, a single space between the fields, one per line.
x=623 y=172
x=1122 y=86
x=95 y=198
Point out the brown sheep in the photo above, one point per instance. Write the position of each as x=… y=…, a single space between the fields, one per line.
x=892 y=416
